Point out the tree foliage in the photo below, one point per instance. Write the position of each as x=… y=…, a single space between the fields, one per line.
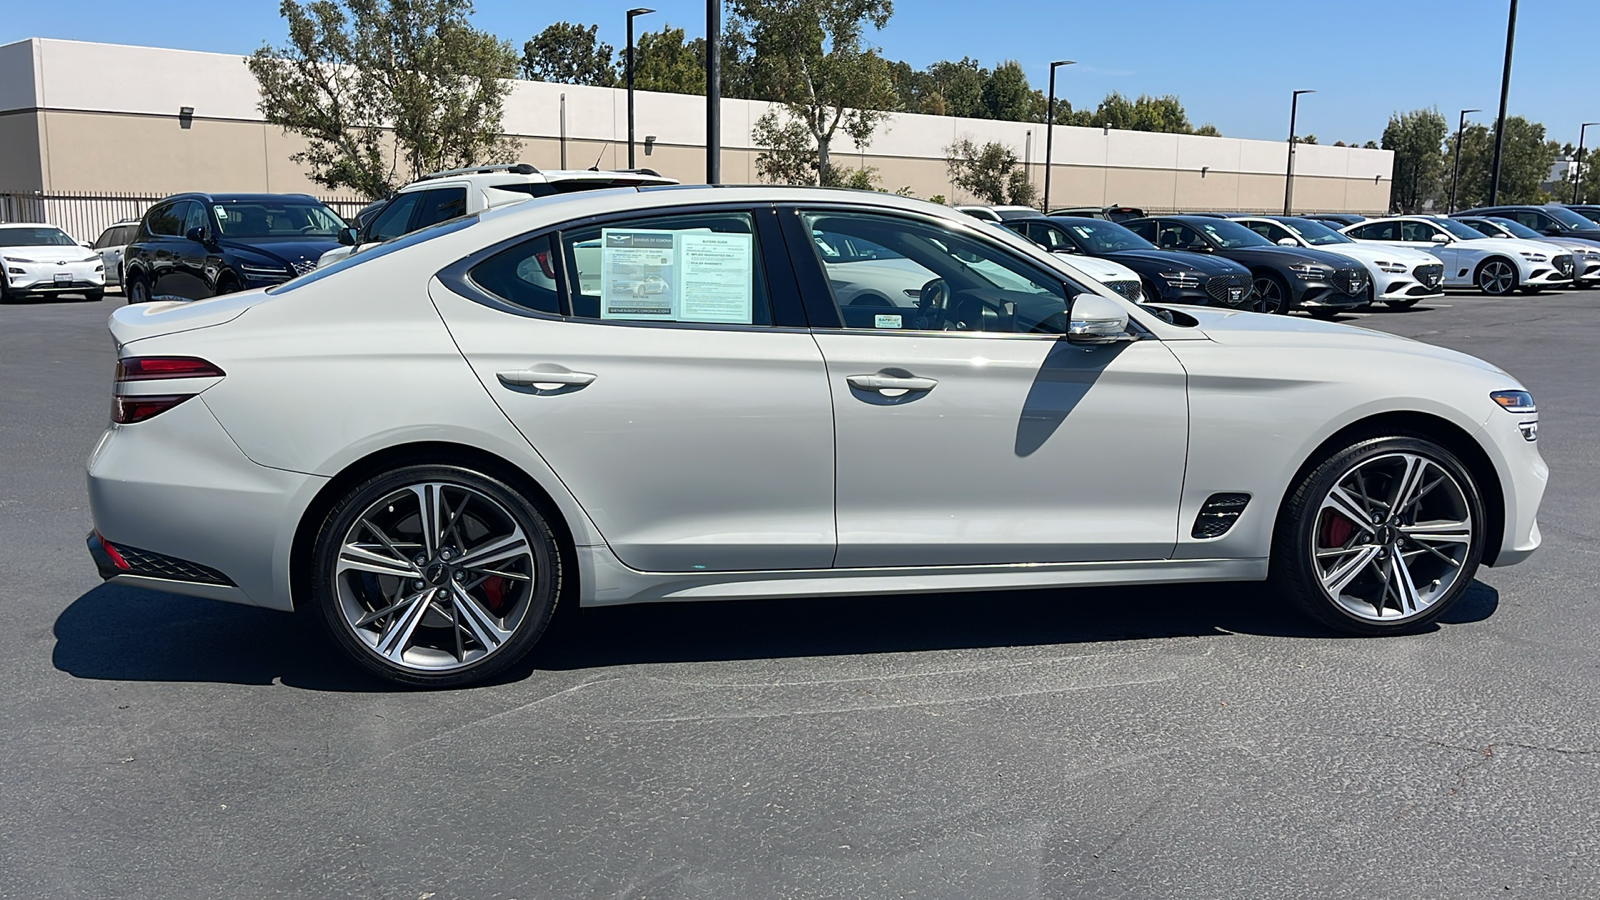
x=1416 y=138
x=385 y=90
x=990 y=172
x=570 y=54
x=1525 y=162
x=671 y=62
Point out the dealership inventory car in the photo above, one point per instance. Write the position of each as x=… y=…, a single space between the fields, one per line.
x=1113 y=213
x=1587 y=210
x=1167 y=276
x=1551 y=221
x=192 y=246
x=459 y=192
x=42 y=260
x=110 y=245
x=1585 y=256
x=1335 y=220
x=432 y=443
x=1284 y=278
x=1398 y=277
x=1497 y=266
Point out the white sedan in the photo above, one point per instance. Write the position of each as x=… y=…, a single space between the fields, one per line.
x=1401 y=277
x=431 y=443
x=42 y=260
x=1495 y=266
x=1585 y=255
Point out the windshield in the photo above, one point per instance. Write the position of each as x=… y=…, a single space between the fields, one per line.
x=1592 y=214
x=277 y=219
x=1569 y=218
x=43 y=236
x=1460 y=230
x=1315 y=233
x=1516 y=228
x=448 y=226
x=1106 y=237
x=1231 y=235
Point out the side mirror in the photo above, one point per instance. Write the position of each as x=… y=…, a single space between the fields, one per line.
x=1440 y=239
x=1198 y=247
x=348 y=237
x=1096 y=320
x=1065 y=251
x=198 y=235
x=1288 y=242
x=86 y=244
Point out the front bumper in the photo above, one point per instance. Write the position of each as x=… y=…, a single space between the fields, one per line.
x=49 y=278
x=1324 y=296
x=1523 y=477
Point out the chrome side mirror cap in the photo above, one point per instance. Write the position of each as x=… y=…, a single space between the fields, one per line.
x=1441 y=239
x=1096 y=320
x=1288 y=242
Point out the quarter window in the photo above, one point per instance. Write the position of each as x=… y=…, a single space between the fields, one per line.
x=165 y=220
x=926 y=278
x=524 y=275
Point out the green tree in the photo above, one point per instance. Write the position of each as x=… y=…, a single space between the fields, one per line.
x=1525 y=163
x=1309 y=139
x=811 y=56
x=788 y=155
x=1416 y=138
x=990 y=172
x=1007 y=96
x=570 y=54
x=385 y=90
x=1209 y=130
x=666 y=61
x=1146 y=113
x=1589 y=187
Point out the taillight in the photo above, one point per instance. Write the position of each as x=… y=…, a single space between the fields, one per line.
x=126 y=409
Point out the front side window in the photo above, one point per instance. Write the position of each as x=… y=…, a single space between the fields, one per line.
x=935 y=279
x=1421 y=232
x=702 y=268
x=194 y=216
x=1271 y=231
x=1232 y=236
x=440 y=205
x=1050 y=237
x=1178 y=236
x=1378 y=231
x=395 y=219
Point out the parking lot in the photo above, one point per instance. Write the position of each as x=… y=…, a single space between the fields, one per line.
x=1154 y=742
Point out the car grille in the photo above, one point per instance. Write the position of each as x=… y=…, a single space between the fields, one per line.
x=1220 y=288
x=1430 y=275
x=1126 y=289
x=1349 y=281
x=303 y=266
x=156 y=565
x=1563 y=265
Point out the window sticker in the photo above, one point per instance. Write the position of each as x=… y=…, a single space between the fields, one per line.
x=885 y=321
x=676 y=276
x=637 y=274
x=716 y=278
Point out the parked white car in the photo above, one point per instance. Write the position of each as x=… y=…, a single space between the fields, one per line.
x=110 y=245
x=444 y=195
x=1585 y=255
x=431 y=487
x=1495 y=266
x=1401 y=277
x=42 y=260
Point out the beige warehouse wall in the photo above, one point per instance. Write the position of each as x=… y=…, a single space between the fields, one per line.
x=20 y=153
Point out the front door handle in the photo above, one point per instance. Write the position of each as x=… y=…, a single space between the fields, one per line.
x=535 y=378
x=882 y=383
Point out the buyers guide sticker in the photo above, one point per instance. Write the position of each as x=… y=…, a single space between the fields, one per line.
x=676 y=276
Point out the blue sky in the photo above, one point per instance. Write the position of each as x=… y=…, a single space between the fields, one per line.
x=1232 y=62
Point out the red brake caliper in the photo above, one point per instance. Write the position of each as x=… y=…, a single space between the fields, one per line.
x=1336 y=530
x=494 y=590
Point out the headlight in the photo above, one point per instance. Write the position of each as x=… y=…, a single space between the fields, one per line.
x=1391 y=268
x=1534 y=257
x=1514 y=401
x=1181 y=280
x=100 y=268
x=1591 y=254
x=260 y=271
x=1309 y=271
x=18 y=259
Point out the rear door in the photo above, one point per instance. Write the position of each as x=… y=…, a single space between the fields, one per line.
x=660 y=365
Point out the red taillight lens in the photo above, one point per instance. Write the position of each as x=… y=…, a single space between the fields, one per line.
x=152 y=368
x=126 y=410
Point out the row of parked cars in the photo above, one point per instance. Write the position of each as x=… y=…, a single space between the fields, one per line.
x=1320 y=263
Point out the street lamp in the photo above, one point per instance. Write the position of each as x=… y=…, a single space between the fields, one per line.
x=1577 y=178
x=632 y=13
x=1288 y=177
x=1050 y=128
x=1456 y=173
x=1500 y=123
x=713 y=91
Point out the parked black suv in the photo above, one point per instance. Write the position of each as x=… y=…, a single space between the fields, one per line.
x=1169 y=276
x=193 y=246
x=1285 y=278
x=1109 y=213
x=1550 y=221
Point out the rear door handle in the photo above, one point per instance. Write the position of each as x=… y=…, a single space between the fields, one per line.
x=539 y=378
x=890 y=383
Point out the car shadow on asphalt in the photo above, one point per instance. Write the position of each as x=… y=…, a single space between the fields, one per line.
x=126 y=634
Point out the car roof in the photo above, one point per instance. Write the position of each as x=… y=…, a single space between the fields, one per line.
x=238 y=198
x=27 y=225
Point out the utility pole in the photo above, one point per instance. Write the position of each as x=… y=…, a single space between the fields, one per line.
x=1455 y=175
x=1050 y=129
x=713 y=91
x=1288 y=176
x=632 y=13
x=1500 y=123
x=1577 y=178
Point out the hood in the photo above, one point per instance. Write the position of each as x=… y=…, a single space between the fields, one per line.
x=1246 y=329
x=1098 y=268
x=1373 y=253
x=288 y=251
x=51 y=253
x=1287 y=256
x=1513 y=245
x=1200 y=262
x=134 y=322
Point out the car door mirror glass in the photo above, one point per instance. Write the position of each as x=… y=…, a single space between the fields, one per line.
x=1095 y=319
x=196 y=234
x=348 y=237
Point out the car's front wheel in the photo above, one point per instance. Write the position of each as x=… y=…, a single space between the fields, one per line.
x=436 y=575
x=1382 y=537
x=137 y=289
x=1497 y=277
x=1272 y=294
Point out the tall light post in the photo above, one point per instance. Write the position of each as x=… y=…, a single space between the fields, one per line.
x=1288 y=176
x=1455 y=174
x=1577 y=178
x=632 y=13
x=1500 y=123
x=1050 y=128
x=713 y=91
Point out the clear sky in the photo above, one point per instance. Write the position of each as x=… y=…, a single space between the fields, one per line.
x=1232 y=62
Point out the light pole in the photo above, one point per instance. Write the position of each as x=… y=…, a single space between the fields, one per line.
x=1500 y=123
x=1050 y=128
x=1455 y=174
x=1577 y=178
x=1288 y=177
x=713 y=91
x=632 y=13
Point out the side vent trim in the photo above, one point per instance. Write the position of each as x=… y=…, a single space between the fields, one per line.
x=1218 y=515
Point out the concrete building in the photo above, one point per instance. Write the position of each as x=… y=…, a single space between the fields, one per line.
x=82 y=118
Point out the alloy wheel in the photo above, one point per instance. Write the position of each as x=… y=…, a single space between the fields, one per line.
x=434 y=577
x=1392 y=537
x=1269 y=296
x=1497 y=277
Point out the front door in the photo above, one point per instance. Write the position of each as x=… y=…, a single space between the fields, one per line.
x=662 y=369
x=968 y=430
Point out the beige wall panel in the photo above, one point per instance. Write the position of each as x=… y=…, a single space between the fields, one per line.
x=21 y=157
x=1213 y=192
x=1072 y=185
x=1319 y=194
x=1260 y=193
x=148 y=154
x=1141 y=187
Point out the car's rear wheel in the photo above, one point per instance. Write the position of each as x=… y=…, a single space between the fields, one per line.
x=436 y=575
x=1382 y=537
x=138 y=289
x=1272 y=295
x=1496 y=277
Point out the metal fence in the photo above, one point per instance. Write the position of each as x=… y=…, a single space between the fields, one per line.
x=85 y=215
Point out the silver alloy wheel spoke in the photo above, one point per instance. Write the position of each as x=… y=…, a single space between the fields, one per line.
x=1439 y=532
x=1342 y=502
x=509 y=547
x=1344 y=573
x=482 y=623
x=1404 y=588
x=1407 y=484
x=396 y=635
x=355 y=557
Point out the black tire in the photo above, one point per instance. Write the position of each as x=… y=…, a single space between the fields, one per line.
x=430 y=649
x=137 y=289
x=1272 y=293
x=1532 y=289
x=94 y=296
x=1303 y=532
x=1496 y=276
x=1324 y=313
x=227 y=284
x=1401 y=304
x=1152 y=294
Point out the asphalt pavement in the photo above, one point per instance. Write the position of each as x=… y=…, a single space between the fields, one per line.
x=1179 y=742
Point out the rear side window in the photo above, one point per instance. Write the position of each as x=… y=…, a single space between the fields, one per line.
x=1416 y=232
x=438 y=206
x=1379 y=231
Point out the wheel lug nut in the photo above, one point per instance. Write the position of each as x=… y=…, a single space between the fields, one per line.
x=421 y=585
x=420 y=560
x=461 y=576
x=445 y=554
